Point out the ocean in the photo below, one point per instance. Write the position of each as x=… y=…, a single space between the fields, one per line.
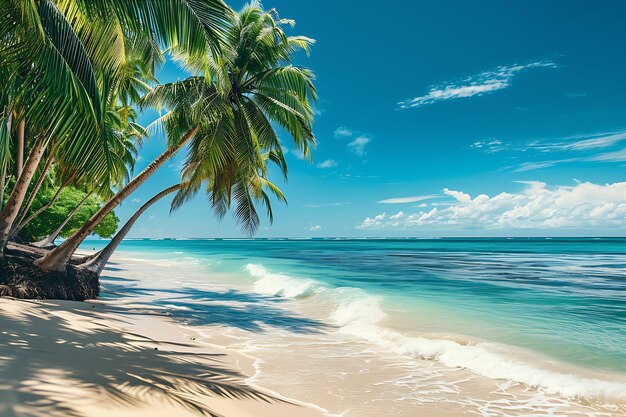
x=500 y=323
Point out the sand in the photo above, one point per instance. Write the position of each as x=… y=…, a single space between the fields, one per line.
x=93 y=359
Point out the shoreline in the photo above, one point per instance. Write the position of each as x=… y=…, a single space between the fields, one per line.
x=334 y=371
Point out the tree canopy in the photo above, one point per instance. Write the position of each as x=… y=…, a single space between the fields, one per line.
x=44 y=224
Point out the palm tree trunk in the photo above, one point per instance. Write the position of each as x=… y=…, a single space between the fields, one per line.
x=3 y=175
x=3 y=179
x=11 y=209
x=48 y=242
x=57 y=259
x=97 y=263
x=53 y=200
x=35 y=190
x=19 y=163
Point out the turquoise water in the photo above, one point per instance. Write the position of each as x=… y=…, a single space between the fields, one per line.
x=563 y=298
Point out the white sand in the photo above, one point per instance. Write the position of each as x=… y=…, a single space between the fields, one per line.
x=92 y=359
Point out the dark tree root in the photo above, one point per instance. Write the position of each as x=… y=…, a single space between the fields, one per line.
x=20 y=278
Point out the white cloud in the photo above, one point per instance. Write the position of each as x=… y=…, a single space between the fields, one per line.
x=297 y=153
x=315 y=228
x=376 y=222
x=616 y=156
x=597 y=147
x=329 y=163
x=600 y=141
x=476 y=85
x=531 y=166
x=489 y=146
x=581 y=142
x=537 y=206
x=458 y=195
x=318 y=205
x=136 y=200
x=358 y=145
x=588 y=145
x=343 y=132
x=402 y=200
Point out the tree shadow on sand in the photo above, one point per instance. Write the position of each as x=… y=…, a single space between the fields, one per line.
x=198 y=307
x=122 y=367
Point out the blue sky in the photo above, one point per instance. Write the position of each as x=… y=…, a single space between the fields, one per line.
x=444 y=118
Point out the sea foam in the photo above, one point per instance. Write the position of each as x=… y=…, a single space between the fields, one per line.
x=361 y=319
x=360 y=314
x=281 y=285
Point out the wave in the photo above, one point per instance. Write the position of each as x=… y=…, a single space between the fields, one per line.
x=361 y=318
x=360 y=314
x=281 y=285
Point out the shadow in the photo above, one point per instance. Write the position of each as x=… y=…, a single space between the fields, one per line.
x=252 y=317
x=197 y=307
x=110 y=290
x=47 y=361
x=114 y=269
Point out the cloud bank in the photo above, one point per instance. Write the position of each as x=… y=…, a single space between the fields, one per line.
x=476 y=85
x=537 y=206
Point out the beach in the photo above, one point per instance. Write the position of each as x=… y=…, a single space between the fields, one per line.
x=63 y=358
x=208 y=210
x=283 y=345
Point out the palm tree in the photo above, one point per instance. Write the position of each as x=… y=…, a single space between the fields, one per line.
x=255 y=191
x=227 y=114
x=70 y=55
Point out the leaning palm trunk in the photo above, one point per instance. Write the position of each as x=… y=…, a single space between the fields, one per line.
x=33 y=194
x=3 y=174
x=11 y=209
x=48 y=242
x=57 y=259
x=43 y=208
x=98 y=262
x=3 y=179
x=20 y=147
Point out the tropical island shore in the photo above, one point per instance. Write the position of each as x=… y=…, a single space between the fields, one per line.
x=468 y=294
x=169 y=337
